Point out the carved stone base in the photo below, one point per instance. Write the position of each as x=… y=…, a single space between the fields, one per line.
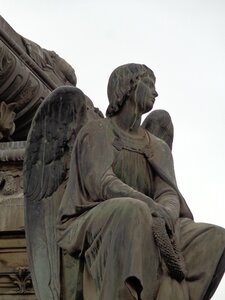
x=15 y=280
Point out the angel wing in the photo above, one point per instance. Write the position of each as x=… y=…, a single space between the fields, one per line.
x=50 y=140
x=159 y=123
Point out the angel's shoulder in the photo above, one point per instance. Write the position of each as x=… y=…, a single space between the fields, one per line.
x=157 y=144
x=156 y=140
x=95 y=127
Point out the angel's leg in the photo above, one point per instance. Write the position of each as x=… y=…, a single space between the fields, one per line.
x=203 y=247
x=116 y=241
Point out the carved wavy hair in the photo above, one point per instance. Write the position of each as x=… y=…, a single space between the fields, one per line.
x=122 y=82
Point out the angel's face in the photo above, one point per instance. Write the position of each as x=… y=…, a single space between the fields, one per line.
x=145 y=94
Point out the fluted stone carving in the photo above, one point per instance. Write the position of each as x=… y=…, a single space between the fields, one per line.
x=28 y=74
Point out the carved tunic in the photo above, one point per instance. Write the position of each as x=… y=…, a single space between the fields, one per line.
x=141 y=179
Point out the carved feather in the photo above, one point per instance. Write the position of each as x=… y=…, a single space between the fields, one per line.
x=47 y=156
x=159 y=123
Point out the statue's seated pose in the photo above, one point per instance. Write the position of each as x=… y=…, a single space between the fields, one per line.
x=121 y=214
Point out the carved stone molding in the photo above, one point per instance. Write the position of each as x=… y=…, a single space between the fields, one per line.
x=18 y=282
x=8 y=184
x=11 y=186
x=15 y=279
x=28 y=73
x=18 y=84
x=7 y=116
x=12 y=151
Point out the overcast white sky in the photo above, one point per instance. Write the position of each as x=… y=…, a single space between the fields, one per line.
x=183 y=41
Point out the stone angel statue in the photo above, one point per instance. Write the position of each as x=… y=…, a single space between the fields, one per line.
x=105 y=219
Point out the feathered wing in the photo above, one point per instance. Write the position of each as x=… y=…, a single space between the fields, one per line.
x=50 y=140
x=159 y=123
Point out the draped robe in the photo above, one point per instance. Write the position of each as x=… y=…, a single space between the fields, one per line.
x=105 y=219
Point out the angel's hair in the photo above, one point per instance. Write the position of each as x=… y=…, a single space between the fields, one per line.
x=122 y=82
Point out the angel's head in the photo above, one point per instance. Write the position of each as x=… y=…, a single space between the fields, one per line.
x=127 y=79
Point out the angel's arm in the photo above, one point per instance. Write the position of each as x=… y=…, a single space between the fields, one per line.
x=160 y=124
x=113 y=187
x=166 y=196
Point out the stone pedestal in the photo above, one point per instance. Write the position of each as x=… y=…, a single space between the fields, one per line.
x=15 y=280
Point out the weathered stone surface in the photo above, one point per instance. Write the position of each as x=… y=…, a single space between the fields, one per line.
x=12 y=152
x=7 y=115
x=11 y=186
x=15 y=279
x=28 y=74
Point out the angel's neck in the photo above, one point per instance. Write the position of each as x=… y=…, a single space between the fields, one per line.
x=128 y=122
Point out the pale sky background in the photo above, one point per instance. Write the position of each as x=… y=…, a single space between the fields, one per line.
x=183 y=42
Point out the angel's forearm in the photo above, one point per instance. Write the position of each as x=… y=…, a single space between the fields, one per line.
x=113 y=187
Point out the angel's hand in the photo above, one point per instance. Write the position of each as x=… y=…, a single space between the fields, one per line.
x=162 y=212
